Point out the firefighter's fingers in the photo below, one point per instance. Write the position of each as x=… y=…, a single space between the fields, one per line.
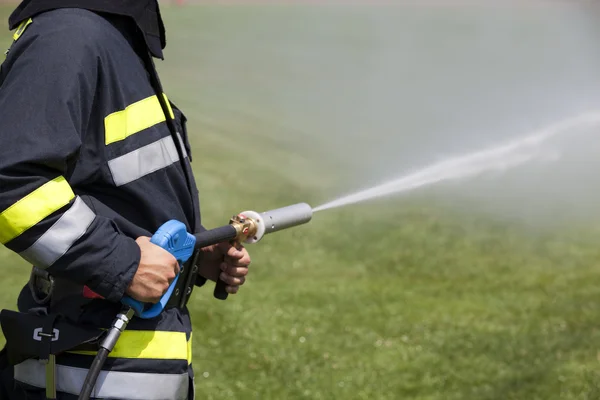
x=232 y=280
x=233 y=252
x=234 y=270
x=241 y=259
x=232 y=289
x=228 y=249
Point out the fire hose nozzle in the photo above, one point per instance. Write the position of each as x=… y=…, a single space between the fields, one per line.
x=252 y=226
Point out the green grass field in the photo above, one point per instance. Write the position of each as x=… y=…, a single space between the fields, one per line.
x=406 y=298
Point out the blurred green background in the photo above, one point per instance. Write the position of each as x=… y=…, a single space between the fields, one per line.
x=465 y=292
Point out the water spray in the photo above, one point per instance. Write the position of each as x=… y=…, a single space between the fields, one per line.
x=502 y=157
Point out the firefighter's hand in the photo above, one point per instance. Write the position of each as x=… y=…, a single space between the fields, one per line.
x=155 y=273
x=226 y=262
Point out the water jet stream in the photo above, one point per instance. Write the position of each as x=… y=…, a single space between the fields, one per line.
x=497 y=158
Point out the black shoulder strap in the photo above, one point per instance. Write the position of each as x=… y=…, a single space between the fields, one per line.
x=158 y=90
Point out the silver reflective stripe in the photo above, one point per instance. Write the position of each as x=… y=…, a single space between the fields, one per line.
x=143 y=161
x=110 y=384
x=181 y=145
x=59 y=238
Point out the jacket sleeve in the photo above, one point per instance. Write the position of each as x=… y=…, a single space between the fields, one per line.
x=47 y=88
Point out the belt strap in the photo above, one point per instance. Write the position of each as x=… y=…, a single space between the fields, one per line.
x=51 y=377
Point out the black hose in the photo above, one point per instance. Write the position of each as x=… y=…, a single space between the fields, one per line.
x=214 y=236
x=92 y=376
x=107 y=345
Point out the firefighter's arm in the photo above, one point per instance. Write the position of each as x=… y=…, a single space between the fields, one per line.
x=46 y=100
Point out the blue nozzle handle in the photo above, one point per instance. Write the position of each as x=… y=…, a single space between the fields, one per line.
x=173 y=237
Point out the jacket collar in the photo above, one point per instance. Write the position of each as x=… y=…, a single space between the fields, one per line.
x=145 y=13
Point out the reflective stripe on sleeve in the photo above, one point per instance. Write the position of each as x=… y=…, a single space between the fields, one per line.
x=157 y=345
x=189 y=349
x=34 y=207
x=181 y=145
x=57 y=240
x=110 y=384
x=143 y=161
x=134 y=118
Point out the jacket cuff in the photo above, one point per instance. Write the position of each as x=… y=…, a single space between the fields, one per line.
x=125 y=261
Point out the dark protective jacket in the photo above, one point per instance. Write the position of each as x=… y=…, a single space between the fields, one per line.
x=88 y=164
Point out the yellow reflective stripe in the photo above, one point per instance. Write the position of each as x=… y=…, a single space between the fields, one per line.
x=189 y=349
x=159 y=345
x=34 y=207
x=134 y=118
x=169 y=106
x=21 y=28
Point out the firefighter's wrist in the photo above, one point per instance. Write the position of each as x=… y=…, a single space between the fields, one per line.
x=126 y=262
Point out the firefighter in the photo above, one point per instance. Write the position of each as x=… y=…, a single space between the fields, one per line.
x=94 y=157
